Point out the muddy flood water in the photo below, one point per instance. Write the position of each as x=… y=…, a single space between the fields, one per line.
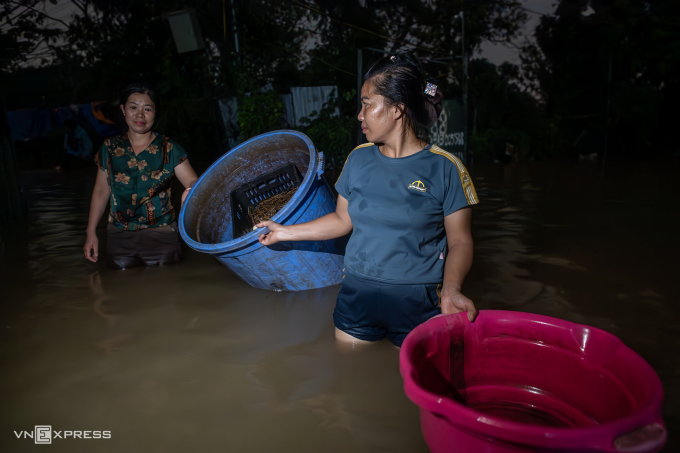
x=189 y=358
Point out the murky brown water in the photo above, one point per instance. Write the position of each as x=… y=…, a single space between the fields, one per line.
x=189 y=358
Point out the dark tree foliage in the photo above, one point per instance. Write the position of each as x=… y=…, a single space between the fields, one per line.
x=431 y=29
x=285 y=43
x=503 y=114
x=107 y=44
x=25 y=31
x=615 y=71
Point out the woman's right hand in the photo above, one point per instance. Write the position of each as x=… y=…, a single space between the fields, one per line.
x=91 y=248
x=277 y=233
x=330 y=226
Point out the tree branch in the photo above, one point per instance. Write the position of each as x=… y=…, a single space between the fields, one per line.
x=82 y=7
x=10 y=19
x=35 y=47
x=45 y=15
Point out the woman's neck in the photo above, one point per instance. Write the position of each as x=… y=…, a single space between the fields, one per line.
x=136 y=138
x=140 y=142
x=401 y=145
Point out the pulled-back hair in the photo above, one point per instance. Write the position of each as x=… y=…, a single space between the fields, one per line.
x=400 y=81
x=140 y=87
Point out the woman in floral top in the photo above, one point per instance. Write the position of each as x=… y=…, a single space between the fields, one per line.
x=136 y=170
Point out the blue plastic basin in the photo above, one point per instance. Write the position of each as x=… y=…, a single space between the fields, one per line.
x=205 y=221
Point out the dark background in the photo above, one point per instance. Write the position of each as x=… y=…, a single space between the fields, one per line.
x=593 y=69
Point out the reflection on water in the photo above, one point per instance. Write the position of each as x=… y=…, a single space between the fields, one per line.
x=188 y=358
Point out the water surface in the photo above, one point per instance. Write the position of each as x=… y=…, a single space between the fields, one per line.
x=189 y=358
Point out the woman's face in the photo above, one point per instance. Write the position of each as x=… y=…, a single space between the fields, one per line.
x=140 y=113
x=379 y=120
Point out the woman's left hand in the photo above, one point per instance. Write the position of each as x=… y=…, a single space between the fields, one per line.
x=453 y=301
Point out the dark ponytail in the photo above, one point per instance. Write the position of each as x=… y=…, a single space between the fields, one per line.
x=400 y=81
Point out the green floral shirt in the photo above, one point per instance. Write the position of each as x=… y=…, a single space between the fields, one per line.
x=140 y=185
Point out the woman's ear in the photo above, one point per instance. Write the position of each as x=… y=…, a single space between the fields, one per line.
x=122 y=109
x=397 y=111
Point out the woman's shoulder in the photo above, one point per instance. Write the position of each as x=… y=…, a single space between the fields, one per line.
x=115 y=141
x=165 y=140
x=361 y=150
x=172 y=152
x=446 y=156
x=364 y=145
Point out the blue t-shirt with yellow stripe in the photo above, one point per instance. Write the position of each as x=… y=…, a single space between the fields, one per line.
x=397 y=207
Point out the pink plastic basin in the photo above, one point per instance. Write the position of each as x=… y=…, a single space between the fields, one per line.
x=513 y=382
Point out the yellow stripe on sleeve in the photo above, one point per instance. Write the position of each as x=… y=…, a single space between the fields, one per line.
x=465 y=180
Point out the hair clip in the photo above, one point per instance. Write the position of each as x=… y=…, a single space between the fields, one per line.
x=393 y=58
x=431 y=87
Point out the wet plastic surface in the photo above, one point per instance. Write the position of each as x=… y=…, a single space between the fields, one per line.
x=522 y=382
x=206 y=224
x=247 y=197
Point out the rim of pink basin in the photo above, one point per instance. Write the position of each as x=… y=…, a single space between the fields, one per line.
x=599 y=437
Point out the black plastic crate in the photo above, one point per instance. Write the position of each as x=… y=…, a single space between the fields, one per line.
x=250 y=194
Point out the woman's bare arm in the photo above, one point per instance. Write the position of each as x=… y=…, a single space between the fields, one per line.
x=330 y=226
x=100 y=198
x=187 y=176
x=458 y=263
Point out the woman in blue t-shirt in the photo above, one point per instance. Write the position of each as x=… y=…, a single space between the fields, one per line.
x=406 y=203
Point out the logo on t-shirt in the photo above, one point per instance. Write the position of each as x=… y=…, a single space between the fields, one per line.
x=418 y=185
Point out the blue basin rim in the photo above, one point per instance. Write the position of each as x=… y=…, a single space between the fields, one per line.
x=282 y=215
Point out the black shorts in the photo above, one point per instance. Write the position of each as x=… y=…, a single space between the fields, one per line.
x=147 y=247
x=370 y=310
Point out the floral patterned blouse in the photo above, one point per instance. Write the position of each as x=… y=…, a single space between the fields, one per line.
x=140 y=185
